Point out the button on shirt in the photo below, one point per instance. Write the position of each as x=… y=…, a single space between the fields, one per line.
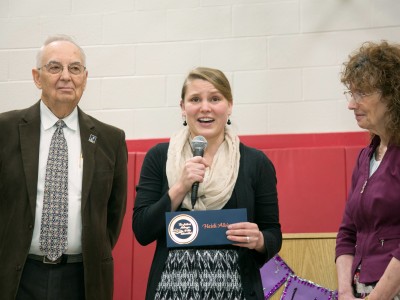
x=75 y=168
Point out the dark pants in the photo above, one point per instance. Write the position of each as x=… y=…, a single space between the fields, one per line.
x=51 y=282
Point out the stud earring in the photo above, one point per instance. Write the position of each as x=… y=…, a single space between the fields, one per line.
x=229 y=122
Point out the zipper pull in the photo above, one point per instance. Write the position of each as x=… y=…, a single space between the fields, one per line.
x=382 y=241
x=363 y=187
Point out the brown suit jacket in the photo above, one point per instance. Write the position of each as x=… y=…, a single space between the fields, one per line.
x=103 y=197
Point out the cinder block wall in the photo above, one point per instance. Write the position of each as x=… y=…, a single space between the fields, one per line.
x=283 y=58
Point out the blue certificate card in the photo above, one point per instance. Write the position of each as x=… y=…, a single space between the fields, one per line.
x=201 y=228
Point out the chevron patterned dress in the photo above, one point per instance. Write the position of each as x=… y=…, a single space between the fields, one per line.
x=199 y=274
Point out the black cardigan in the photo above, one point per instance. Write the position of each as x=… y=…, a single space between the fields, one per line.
x=255 y=189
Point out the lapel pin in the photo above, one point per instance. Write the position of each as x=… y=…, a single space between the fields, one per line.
x=92 y=138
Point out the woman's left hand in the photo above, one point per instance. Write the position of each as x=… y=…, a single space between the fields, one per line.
x=246 y=234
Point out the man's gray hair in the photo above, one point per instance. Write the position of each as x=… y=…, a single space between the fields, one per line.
x=56 y=38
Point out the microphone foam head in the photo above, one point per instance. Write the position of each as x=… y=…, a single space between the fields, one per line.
x=199 y=142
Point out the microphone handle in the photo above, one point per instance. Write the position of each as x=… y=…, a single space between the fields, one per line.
x=193 y=196
x=195 y=186
x=198 y=152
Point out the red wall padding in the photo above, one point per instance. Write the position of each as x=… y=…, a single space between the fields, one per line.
x=123 y=258
x=311 y=188
x=314 y=174
x=278 y=141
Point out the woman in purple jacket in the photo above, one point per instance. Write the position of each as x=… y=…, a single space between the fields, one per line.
x=368 y=241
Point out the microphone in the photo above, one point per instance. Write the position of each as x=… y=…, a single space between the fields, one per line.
x=199 y=143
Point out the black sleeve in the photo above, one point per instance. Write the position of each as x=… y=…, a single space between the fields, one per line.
x=152 y=199
x=267 y=209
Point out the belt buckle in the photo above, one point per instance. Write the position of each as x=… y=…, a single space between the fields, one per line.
x=50 y=262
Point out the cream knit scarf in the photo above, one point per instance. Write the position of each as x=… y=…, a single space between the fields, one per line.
x=220 y=178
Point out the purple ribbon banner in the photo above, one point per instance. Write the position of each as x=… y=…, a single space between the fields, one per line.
x=274 y=274
x=297 y=288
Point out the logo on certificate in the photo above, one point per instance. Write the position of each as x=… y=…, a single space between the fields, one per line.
x=183 y=229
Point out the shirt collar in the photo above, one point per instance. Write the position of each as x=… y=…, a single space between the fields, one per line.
x=48 y=119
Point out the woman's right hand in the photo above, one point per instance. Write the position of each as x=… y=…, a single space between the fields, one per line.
x=193 y=171
x=348 y=296
x=345 y=277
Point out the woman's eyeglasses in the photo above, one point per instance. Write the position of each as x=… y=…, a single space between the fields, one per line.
x=357 y=96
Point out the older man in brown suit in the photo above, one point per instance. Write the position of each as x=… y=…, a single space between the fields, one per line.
x=57 y=231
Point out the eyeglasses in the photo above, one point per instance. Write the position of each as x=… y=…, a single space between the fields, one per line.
x=357 y=96
x=56 y=68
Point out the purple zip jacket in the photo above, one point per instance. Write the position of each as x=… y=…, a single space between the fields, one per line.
x=370 y=228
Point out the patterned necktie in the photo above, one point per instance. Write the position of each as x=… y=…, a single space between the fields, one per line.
x=54 y=226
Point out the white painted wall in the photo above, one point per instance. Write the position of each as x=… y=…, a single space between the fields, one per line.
x=283 y=57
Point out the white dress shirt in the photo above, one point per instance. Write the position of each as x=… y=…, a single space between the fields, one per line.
x=75 y=168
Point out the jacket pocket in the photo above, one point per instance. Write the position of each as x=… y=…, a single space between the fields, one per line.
x=386 y=240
